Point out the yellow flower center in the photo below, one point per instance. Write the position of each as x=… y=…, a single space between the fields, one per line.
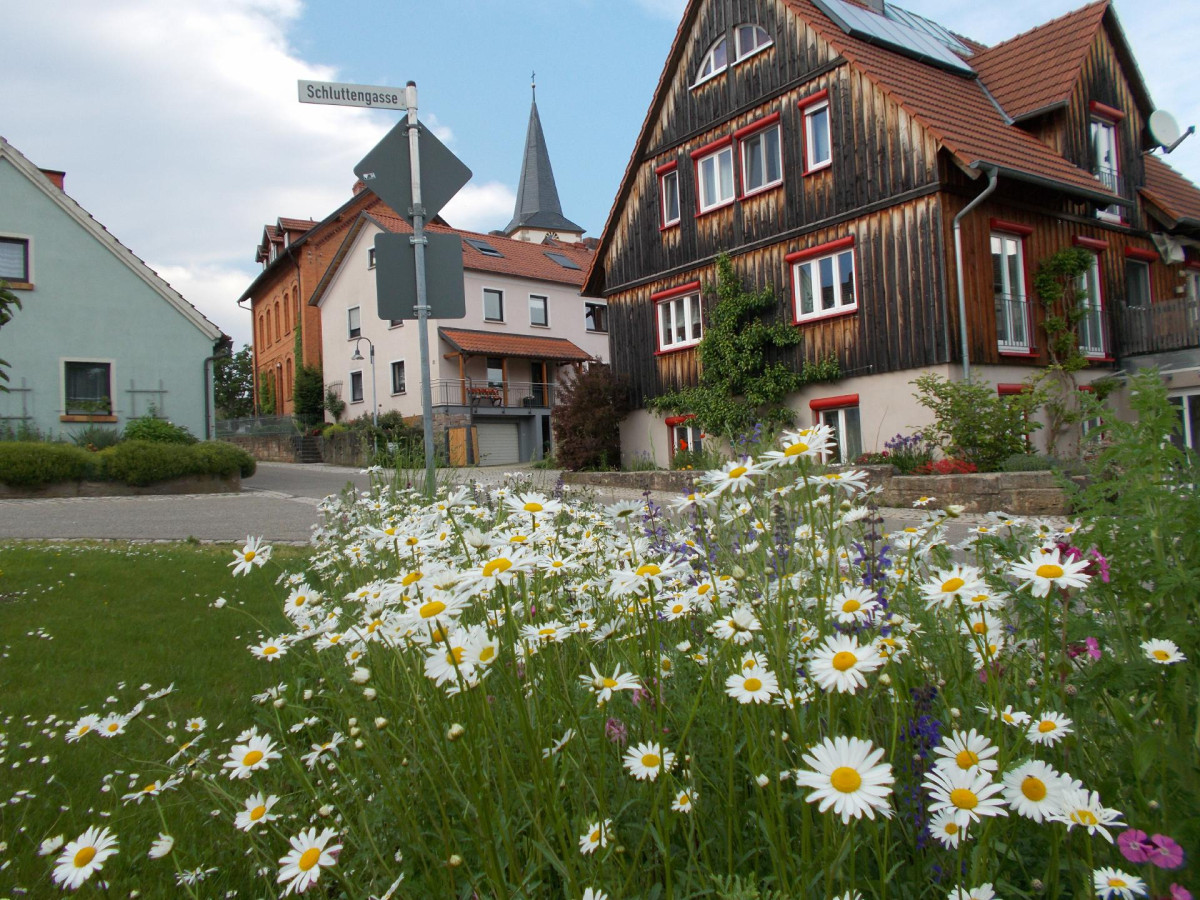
x=650 y=760
x=649 y=569
x=410 y=578
x=1117 y=882
x=796 y=449
x=548 y=631
x=270 y=649
x=257 y=813
x=950 y=828
x=518 y=539
x=1049 y=570
x=845 y=779
x=250 y=554
x=752 y=684
x=843 y=660
x=84 y=856
x=432 y=608
x=1162 y=655
x=252 y=757
x=966 y=759
x=486 y=654
x=1033 y=788
x=979 y=627
x=309 y=858
x=963 y=798
x=455 y=656
x=979 y=598
x=300 y=600
x=665 y=664
x=737 y=472
x=594 y=837
x=150 y=788
x=533 y=507
x=952 y=585
x=113 y=727
x=1085 y=817
x=1046 y=726
x=851 y=606
x=496 y=566
x=608 y=683
x=684 y=800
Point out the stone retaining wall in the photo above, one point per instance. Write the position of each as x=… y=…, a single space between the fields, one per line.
x=266 y=447
x=189 y=484
x=1019 y=493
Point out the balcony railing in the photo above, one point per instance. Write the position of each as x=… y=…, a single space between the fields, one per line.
x=1012 y=322
x=481 y=394
x=1163 y=325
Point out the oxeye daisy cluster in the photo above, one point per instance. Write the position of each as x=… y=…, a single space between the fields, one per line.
x=522 y=694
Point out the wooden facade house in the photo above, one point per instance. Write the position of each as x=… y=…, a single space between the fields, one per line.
x=856 y=157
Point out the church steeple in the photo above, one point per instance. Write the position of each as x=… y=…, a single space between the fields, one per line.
x=538 y=212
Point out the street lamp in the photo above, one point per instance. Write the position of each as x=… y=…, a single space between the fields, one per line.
x=357 y=357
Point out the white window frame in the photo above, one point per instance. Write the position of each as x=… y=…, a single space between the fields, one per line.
x=499 y=299
x=1187 y=434
x=818 y=265
x=545 y=304
x=392 y=375
x=353 y=323
x=708 y=68
x=1106 y=159
x=682 y=311
x=811 y=110
x=1091 y=285
x=740 y=52
x=112 y=381
x=1013 y=296
x=720 y=162
x=1139 y=265
x=370 y=257
x=362 y=393
x=595 y=303
x=668 y=196
x=690 y=432
x=756 y=144
x=838 y=419
x=28 y=244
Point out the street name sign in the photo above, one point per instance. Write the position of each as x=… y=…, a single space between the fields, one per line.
x=334 y=93
x=396 y=281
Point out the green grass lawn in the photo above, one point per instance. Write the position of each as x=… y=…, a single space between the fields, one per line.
x=94 y=628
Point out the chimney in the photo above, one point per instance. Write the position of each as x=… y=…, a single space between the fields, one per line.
x=359 y=187
x=55 y=176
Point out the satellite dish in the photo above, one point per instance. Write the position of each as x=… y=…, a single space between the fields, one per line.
x=1163 y=128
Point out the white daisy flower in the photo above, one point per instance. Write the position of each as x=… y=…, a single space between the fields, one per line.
x=1033 y=790
x=946 y=831
x=969 y=751
x=1081 y=807
x=1163 y=652
x=752 y=685
x=983 y=892
x=254 y=553
x=949 y=586
x=255 y=753
x=1049 y=728
x=83 y=857
x=605 y=686
x=854 y=605
x=597 y=835
x=968 y=795
x=839 y=664
x=310 y=853
x=1111 y=883
x=684 y=801
x=847 y=775
x=644 y=761
x=162 y=846
x=1042 y=570
x=256 y=810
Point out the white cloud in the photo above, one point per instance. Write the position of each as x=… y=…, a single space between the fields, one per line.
x=212 y=289
x=481 y=207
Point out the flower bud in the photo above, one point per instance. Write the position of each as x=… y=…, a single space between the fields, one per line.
x=454 y=861
x=369 y=693
x=381 y=723
x=454 y=732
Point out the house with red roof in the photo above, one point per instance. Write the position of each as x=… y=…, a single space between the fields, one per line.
x=897 y=186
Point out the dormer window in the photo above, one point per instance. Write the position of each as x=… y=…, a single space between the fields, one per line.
x=749 y=39
x=715 y=61
x=1106 y=158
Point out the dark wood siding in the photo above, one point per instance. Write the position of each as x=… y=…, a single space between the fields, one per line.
x=901 y=321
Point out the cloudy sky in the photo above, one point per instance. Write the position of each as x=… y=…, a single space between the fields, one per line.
x=178 y=124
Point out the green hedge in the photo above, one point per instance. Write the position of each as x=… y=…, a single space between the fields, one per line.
x=130 y=462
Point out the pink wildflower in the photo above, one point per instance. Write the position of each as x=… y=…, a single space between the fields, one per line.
x=1135 y=845
x=1164 y=852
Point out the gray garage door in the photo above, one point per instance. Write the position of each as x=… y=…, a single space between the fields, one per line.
x=498 y=443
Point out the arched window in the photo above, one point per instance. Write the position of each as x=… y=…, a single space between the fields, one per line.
x=715 y=61
x=289 y=378
x=287 y=313
x=276 y=320
x=268 y=335
x=262 y=331
x=749 y=39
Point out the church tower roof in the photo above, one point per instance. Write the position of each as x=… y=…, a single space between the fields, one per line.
x=538 y=206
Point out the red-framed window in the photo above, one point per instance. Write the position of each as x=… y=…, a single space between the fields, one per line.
x=841 y=413
x=824 y=281
x=1010 y=287
x=679 y=317
x=715 y=181
x=684 y=434
x=760 y=151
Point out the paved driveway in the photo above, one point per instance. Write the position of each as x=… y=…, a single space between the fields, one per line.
x=279 y=503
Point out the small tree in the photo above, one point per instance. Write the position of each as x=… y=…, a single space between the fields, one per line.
x=742 y=380
x=233 y=384
x=8 y=302
x=266 y=394
x=974 y=423
x=308 y=393
x=587 y=419
x=334 y=404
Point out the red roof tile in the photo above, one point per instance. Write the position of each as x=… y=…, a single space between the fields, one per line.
x=956 y=110
x=488 y=343
x=296 y=224
x=1038 y=69
x=521 y=259
x=1173 y=194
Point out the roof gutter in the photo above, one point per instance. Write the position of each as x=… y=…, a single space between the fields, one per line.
x=1099 y=196
x=993 y=174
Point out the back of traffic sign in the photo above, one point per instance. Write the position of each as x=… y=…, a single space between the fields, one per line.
x=395 y=276
x=387 y=171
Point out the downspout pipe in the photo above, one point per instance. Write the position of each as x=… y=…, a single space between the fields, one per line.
x=992 y=174
x=210 y=429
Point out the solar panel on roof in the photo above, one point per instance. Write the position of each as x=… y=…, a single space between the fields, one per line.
x=932 y=28
x=876 y=29
x=565 y=261
x=484 y=247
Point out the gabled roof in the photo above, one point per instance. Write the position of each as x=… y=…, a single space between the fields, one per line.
x=958 y=112
x=537 y=204
x=126 y=256
x=490 y=343
x=1176 y=198
x=1036 y=71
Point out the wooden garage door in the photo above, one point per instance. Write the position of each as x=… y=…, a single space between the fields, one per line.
x=498 y=443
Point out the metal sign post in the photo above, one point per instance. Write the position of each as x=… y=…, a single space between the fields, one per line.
x=422 y=306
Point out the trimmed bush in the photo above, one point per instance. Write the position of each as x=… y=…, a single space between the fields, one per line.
x=159 y=431
x=96 y=437
x=220 y=458
x=27 y=464
x=145 y=462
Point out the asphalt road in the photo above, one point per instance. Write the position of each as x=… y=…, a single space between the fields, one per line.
x=278 y=503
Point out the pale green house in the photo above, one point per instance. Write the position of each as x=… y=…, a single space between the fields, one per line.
x=100 y=337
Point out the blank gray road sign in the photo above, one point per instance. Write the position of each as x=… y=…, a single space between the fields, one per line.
x=386 y=171
x=396 y=276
